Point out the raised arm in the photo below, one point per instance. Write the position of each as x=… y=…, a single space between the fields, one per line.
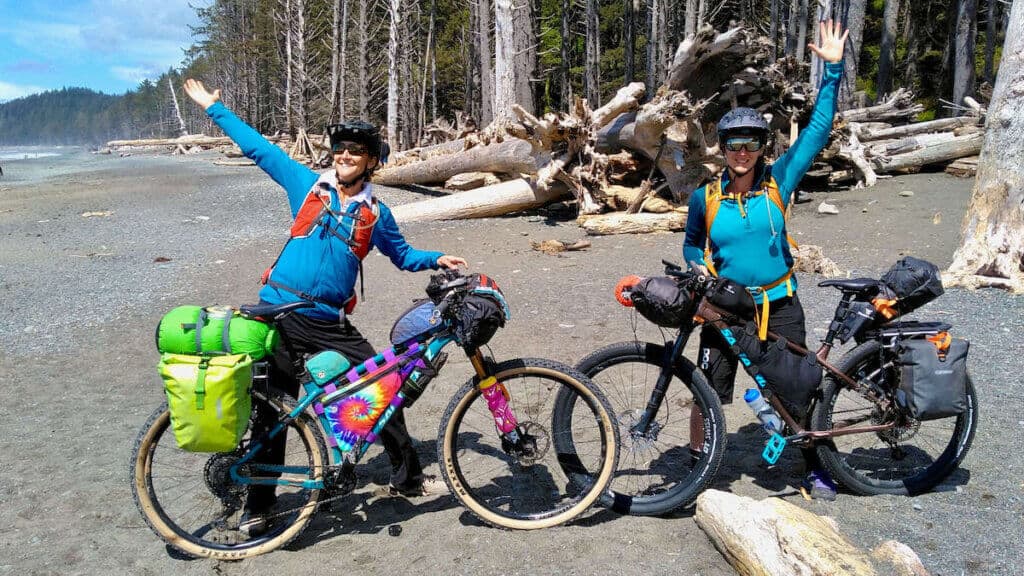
x=293 y=176
x=790 y=168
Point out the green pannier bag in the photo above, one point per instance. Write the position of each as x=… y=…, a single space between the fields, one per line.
x=209 y=398
x=216 y=329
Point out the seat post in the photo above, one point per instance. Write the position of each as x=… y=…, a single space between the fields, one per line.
x=837 y=320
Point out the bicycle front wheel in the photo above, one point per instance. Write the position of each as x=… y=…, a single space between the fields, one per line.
x=540 y=487
x=907 y=459
x=657 y=473
x=190 y=501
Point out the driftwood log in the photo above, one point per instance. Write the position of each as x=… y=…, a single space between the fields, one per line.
x=623 y=223
x=948 y=149
x=774 y=537
x=512 y=156
x=495 y=200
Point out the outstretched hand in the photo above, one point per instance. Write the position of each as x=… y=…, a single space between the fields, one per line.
x=198 y=93
x=451 y=262
x=833 y=39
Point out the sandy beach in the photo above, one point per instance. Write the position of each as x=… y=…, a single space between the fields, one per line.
x=96 y=248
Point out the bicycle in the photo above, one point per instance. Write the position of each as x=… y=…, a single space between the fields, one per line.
x=510 y=479
x=865 y=438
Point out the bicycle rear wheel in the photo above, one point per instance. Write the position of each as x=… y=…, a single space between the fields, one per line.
x=656 y=473
x=190 y=501
x=545 y=488
x=908 y=459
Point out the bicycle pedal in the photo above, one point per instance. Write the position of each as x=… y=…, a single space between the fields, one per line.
x=773 y=449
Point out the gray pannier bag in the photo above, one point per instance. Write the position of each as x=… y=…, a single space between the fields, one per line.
x=933 y=385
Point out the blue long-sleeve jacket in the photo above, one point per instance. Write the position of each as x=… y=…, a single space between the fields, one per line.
x=750 y=246
x=318 y=261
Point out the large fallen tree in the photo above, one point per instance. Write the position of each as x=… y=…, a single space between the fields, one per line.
x=660 y=148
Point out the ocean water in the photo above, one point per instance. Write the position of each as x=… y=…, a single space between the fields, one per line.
x=9 y=153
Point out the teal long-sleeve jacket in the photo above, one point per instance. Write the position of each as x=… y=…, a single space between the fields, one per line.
x=750 y=246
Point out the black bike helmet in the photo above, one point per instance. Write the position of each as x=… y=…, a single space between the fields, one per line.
x=362 y=132
x=743 y=121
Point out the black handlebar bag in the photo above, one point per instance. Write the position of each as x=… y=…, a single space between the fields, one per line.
x=933 y=384
x=661 y=300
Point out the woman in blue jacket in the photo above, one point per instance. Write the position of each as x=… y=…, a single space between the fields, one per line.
x=736 y=228
x=336 y=222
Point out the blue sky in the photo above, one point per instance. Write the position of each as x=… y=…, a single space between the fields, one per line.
x=106 y=45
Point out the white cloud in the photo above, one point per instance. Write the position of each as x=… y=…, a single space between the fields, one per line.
x=135 y=74
x=11 y=91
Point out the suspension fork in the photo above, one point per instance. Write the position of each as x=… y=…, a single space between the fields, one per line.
x=497 y=398
x=664 y=378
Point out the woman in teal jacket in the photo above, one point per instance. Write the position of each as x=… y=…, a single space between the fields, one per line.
x=736 y=229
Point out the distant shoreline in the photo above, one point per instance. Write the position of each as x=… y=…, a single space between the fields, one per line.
x=15 y=153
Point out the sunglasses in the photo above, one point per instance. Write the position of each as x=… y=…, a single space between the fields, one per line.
x=353 y=148
x=737 y=144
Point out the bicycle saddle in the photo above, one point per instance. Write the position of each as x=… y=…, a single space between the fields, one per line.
x=272 y=312
x=858 y=285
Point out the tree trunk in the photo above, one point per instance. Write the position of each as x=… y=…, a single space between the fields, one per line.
x=565 y=63
x=886 y=52
x=339 y=43
x=990 y=39
x=289 y=66
x=773 y=33
x=651 y=26
x=691 y=17
x=629 y=39
x=487 y=72
x=592 y=65
x=343 y=60
x=963 y=51
x=407 y=112
x=182 y=130
x=992 y=253
x=910 y=77
x=791 y=27
x=824 y=12
x=525 y=51
x=433 y=62
x=851 y=56
x=801 y=37
x=364 y=75
x=504 y=59
x=395 y=19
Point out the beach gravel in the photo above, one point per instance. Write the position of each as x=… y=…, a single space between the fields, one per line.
x=80 y=296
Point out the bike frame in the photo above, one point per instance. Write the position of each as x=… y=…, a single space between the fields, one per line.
x=703 y=312
x=405 y=359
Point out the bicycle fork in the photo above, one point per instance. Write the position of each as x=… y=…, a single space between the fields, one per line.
x=514 y=440
x=646 y=425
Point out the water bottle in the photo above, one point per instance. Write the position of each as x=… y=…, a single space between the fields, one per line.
x=764 y=412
